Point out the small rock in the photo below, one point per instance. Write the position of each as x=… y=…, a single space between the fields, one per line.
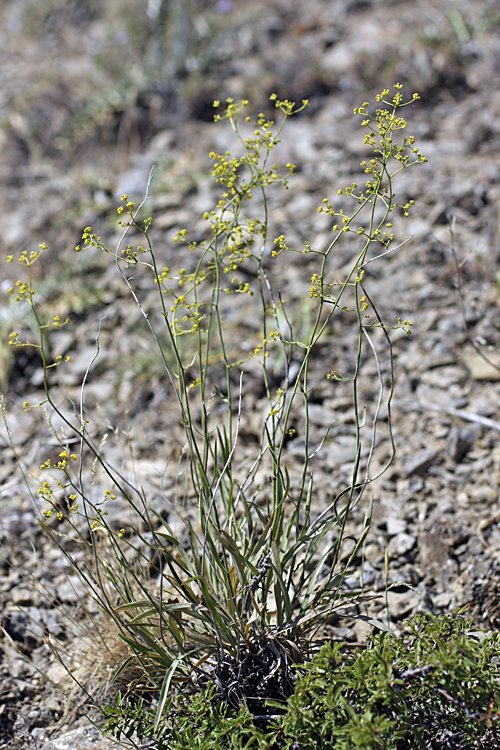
x=72 y=590
x=362 y=630
x=400 y=605
x=352 y=582
x=161 y=201
x=480 y=369
x=485 y=407
x=369 y=574
x=81 y=360
x=460 y=441
x=373 y=552
x=400 y=545
x=134 y=181
x=339 y=452
x=419 y=462
x=458 y=403
x=342 y=633
x=485 y=493
x=395 y=525
x=442 y=601
x=53 y=620
x=83 y=738
x=321 y=415
x=416 y=484
x=22 y=596
x=56 y=673
x=426 y=603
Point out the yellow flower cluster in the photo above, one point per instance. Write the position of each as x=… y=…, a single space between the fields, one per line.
x=90 y=239
x=66 y=458
x=381 y=138
x=316 y=285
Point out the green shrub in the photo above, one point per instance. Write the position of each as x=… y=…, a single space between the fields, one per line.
x=436 y=687
x=239 y=600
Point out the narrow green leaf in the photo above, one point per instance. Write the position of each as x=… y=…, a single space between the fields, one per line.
x=164 y=692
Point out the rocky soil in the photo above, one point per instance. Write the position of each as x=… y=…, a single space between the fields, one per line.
x=92 y=98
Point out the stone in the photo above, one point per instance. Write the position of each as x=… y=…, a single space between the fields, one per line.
x=416 y=484
x=72 y=590
x=460 y=441
x=400 y=545
x=483 y=405
x=485 y=494
x=83 y=738
x=23 y=596
x=480 y=368
x=401 y=604
x=373 y=552
x=369 y=575
x=419 y=462
x=56 y=673
x=362 y=630
x=321 y=415
x=337 y=452
x=395 y=525
x=442 y=601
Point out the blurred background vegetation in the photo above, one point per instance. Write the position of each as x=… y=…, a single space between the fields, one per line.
x=116 y=72
x=87 y=86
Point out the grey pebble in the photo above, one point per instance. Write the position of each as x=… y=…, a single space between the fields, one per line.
x=419 y=462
